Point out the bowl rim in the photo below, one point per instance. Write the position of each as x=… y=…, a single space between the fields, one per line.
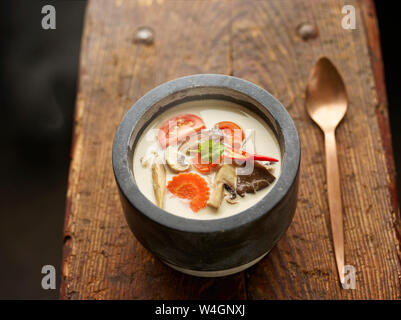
x=290 y=157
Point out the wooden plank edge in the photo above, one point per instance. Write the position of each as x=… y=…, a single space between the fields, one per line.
x=76 y=140
x=373 y=39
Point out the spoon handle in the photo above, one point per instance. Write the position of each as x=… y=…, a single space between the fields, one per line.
x=335 y=204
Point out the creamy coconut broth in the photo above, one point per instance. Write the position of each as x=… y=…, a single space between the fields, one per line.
x=149 y=154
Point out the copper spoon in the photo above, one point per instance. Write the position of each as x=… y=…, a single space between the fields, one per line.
x=326 y=104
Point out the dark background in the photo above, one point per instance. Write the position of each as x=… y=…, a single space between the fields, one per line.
x=38 y=86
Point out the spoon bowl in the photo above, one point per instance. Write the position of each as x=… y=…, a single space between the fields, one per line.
x=326 y=96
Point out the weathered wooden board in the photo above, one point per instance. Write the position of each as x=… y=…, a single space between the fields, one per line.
x=102 y=259
x=256 y=40
x=303 y=264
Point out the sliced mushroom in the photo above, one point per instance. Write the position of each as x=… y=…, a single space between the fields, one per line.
x=159 y=182
x=232 y=197
x=225 y=176
x=176 y=160
x=260 y=178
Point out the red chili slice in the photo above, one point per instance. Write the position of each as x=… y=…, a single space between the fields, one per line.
x=242 y=155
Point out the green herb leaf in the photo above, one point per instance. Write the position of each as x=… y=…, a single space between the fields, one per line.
x=210 y=150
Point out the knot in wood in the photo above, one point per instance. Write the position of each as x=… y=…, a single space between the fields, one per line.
x=307 y=31
x=144 y=35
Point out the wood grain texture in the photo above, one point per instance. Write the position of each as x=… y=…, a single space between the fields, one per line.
x=373 y=39
x=102 y=259
x=255 y=40
x=303 y=264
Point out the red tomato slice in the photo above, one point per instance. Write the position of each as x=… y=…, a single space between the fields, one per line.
x=204 y=168
x=177 y=128
x=233 y=132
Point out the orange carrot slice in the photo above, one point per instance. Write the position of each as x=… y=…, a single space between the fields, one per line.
x=190 y=186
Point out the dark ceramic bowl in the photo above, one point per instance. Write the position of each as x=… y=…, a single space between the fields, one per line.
x=208 y=247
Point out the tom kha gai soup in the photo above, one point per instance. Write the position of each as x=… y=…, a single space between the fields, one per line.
x=206 y=159
x=211 y=162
